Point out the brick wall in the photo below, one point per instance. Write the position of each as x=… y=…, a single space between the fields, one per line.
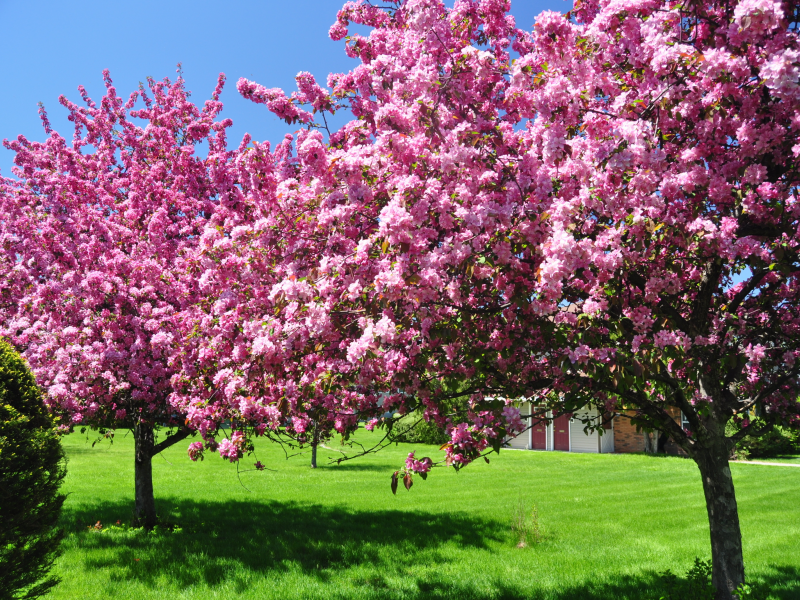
x=628 y=439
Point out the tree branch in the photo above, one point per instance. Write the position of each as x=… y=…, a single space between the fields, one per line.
x=173 y=439
x=733 y=305
x=751 y=431
x=705 y=295
x=667 y=308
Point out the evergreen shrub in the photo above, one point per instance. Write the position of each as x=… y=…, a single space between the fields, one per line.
x=32 y=467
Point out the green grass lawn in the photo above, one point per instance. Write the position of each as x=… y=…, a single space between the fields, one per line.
x=791 y=459
x=611 y=524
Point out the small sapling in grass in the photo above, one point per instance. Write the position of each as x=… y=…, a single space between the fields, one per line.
x=525 y=526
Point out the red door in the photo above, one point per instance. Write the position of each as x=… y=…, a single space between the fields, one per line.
x=539 y=436
x=561 y=433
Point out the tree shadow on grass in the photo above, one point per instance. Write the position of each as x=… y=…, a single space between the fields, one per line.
x=781 y=457
x=782 y=583
x=264 y=536
x=356 y=466
x=227 y=542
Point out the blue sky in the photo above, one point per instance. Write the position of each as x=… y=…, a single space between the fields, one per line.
x=52 y=46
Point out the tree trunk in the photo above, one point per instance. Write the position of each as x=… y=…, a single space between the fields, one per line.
x=650 y=441
x=661 y=445
x=314 y=444
x=723 y=519
x=655 y=442
x=144 y=514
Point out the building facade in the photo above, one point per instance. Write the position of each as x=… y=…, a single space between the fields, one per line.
x=567 y=434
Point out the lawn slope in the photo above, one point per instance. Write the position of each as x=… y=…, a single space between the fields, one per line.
x=611 y=524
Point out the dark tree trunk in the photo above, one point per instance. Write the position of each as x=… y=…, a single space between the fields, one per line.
x=723 y=520
x=144 y=513
x=661 y=445
x=314 y=444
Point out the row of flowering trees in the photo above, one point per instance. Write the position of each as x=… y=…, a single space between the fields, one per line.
x=601 y=212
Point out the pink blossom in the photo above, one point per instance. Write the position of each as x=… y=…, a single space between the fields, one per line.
x=758 y=16
x=195 y=451
x=781 y=73
x=513 y=420
x=418 y=466
x=227 y=449
x=300 y=424
x=275 y=100
x=755 y=354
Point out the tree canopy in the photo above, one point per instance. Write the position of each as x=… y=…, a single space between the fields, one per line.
x=95 y=236
x=600 y=212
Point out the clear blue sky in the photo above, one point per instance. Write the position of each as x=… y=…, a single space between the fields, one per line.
x=52 y=46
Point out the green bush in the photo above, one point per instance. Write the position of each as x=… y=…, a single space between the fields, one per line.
x=32 y=467
x=696 y=585
x=775 y=443
x=413 y=429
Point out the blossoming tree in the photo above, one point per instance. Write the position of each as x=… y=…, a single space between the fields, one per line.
x=669 y=134
x=94 y=238
x=601 y=213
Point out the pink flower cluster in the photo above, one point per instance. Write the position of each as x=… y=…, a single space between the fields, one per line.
x=418 y=466
x=232 y=448
x=467 y=443
x=195 y=451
